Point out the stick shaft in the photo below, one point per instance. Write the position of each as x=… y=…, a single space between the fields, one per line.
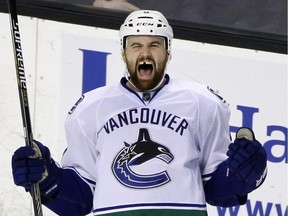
x=23 y=96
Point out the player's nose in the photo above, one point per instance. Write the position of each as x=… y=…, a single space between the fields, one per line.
x=145 y=52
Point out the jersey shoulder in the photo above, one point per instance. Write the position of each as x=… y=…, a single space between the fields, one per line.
x=94 y=97
x=199 y=91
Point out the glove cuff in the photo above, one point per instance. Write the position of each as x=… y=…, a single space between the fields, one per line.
x=50 y=186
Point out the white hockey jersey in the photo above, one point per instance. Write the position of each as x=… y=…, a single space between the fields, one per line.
x=148 y=159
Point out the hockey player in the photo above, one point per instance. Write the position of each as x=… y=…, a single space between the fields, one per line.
x=149 y=145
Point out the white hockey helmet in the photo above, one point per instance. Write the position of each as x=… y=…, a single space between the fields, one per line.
x=146 y=22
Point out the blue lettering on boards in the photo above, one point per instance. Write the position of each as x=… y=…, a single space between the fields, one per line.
x=94 y=69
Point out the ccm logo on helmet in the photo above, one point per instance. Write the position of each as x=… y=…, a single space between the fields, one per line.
x=145 y=24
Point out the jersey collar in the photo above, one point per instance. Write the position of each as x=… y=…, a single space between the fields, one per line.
x=123 y=82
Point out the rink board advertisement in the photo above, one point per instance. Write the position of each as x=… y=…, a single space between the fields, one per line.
x=63 y=61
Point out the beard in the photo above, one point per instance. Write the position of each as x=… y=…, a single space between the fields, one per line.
x=146 y=85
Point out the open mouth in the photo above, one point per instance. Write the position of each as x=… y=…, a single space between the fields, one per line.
x=145 y=68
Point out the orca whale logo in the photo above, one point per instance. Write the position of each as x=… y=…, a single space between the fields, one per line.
x=143 y=150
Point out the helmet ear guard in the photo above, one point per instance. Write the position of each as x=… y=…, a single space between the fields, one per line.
x=146 y=22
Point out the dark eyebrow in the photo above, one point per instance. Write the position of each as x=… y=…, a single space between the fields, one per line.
x=135 y=43
x=152 y=42
x=157 y=42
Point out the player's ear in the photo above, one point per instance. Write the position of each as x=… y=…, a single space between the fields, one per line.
x=169 y=56
x=123 y=56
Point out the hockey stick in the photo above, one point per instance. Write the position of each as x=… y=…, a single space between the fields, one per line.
x=23 y=96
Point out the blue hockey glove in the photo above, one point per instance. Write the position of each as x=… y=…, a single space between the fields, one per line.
x=246 y=161
x=62 y=190
x=243 y=171
x=35 y=165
